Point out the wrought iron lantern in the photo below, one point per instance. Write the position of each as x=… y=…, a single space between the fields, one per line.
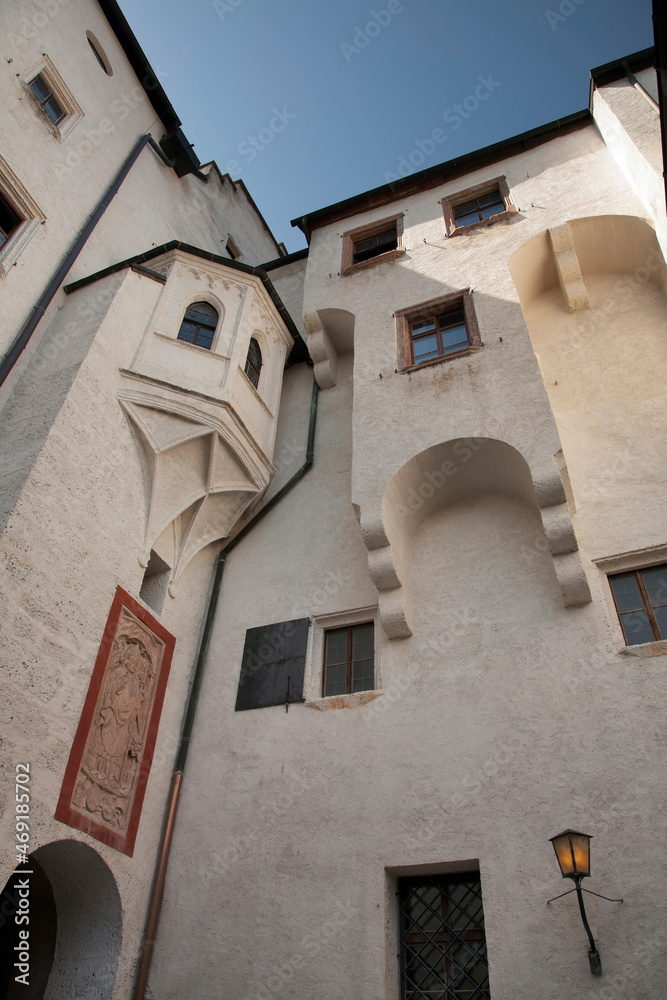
x=573 y=850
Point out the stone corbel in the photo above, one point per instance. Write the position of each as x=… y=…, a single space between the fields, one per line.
x=322 y=350
x=394 y=599
x=562 y=540
x=568 y=268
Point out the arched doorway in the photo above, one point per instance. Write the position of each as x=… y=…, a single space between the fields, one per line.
x=75 y=926
x=28 y=897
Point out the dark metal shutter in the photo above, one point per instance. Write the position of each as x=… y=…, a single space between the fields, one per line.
x=274 y=660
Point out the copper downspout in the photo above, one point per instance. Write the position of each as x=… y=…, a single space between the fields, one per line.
x=157 y=888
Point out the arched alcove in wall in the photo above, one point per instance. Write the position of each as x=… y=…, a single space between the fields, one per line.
x=593 y=295
x=456 y=473
x=75 y=924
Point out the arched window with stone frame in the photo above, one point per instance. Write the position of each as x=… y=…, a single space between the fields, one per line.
x=253 y=364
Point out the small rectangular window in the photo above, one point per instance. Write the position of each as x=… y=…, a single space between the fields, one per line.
x=232 y=249
x=372 y=244
x=349 y=660
x=443 y=941
x=47 y=101
x=640 y=597
x=479 y=209
x=436 y=331
x=375 y=245
x=484 y=203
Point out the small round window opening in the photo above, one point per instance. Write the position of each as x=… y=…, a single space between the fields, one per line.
x=99 y=53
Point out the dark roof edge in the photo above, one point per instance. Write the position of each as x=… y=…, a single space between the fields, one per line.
x=612 y=71
x=432 y=176
x=140 y=64
x=237 y=265
x=289 y=258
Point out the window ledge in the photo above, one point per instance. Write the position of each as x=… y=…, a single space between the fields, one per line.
x=444 y=357
x=209 y=352
x=17 y=243
x=460 y=230
x=344 y=700
x=646 y=649
x=255 y=391
x=372 y=261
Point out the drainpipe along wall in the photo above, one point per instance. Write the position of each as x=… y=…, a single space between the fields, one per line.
x=157 y=889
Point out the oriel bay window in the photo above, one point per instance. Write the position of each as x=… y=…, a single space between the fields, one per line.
x=640 y=597
x=349 y=660
x=437 y=331
x=443 y=943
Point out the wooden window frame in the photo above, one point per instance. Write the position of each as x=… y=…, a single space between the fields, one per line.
x=406 y=317
x=353 y=236
x=348 y=686
x=200 y=326
x=646 y=600
x=450 y=202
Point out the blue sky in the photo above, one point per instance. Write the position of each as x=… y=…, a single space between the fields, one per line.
x=311 y=102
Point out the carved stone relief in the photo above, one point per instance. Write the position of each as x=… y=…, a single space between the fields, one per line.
x=111 y=756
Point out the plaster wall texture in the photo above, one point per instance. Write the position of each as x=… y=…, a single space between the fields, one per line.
x=67 y=176
x=497 y=392
x=80 y=503
x=504 y=718
x=605 y=389
x=288 y=282
x=630 y=129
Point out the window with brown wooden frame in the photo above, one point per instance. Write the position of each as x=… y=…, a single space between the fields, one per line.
x=371 y=244
x=443 y=941
x=349 y=659
x=437 y=331
x=479 y=205
x=640 y=597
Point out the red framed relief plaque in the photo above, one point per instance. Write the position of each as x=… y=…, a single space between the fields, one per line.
x=107 y=772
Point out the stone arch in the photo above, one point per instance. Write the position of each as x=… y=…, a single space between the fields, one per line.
x=330 y=333
x=448 y=473
x=87 y=924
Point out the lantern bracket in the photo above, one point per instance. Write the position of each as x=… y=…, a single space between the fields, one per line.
x=590 y=893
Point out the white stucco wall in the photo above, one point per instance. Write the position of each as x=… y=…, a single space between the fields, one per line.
x=504 y=718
